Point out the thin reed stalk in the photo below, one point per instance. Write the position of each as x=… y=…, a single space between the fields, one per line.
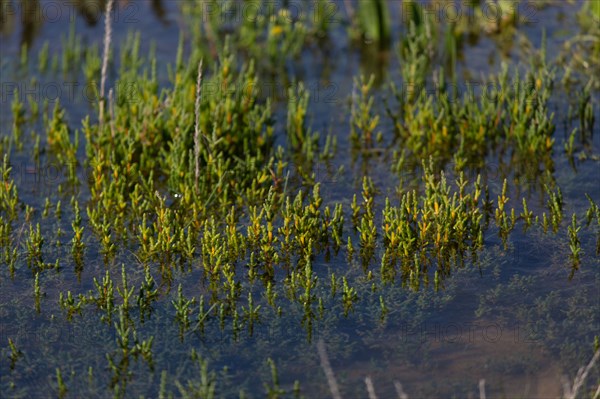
x=370 y=388
x=400 y=391
x=482 y=389
x=197 y=125
x=333 y=386
x=105 y=55
x=571 y=393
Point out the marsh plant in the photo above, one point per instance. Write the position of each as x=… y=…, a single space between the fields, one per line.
x=204 y=227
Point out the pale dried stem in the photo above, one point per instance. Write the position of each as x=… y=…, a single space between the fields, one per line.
x=105 y=55
x=370 y=388
x=400 y=391
x=571 y=393
x=197 y=131
x=333 y=386
x=482 y=389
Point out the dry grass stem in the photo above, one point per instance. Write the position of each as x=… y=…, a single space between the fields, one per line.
x=571 y=393
x=370 y=388
x=333 y=386
x=197 y=125
x=400 y=390
x=105 y=55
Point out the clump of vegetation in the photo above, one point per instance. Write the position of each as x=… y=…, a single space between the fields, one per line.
x=581 y=53
x=203 y=219
x=439 y=229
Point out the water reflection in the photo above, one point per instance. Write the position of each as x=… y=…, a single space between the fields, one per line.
x=375 y=61
x=31 y=15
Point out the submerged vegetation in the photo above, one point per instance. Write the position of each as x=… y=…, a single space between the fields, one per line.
x=193 y=217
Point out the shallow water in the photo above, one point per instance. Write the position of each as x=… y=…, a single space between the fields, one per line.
x=517 y=321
